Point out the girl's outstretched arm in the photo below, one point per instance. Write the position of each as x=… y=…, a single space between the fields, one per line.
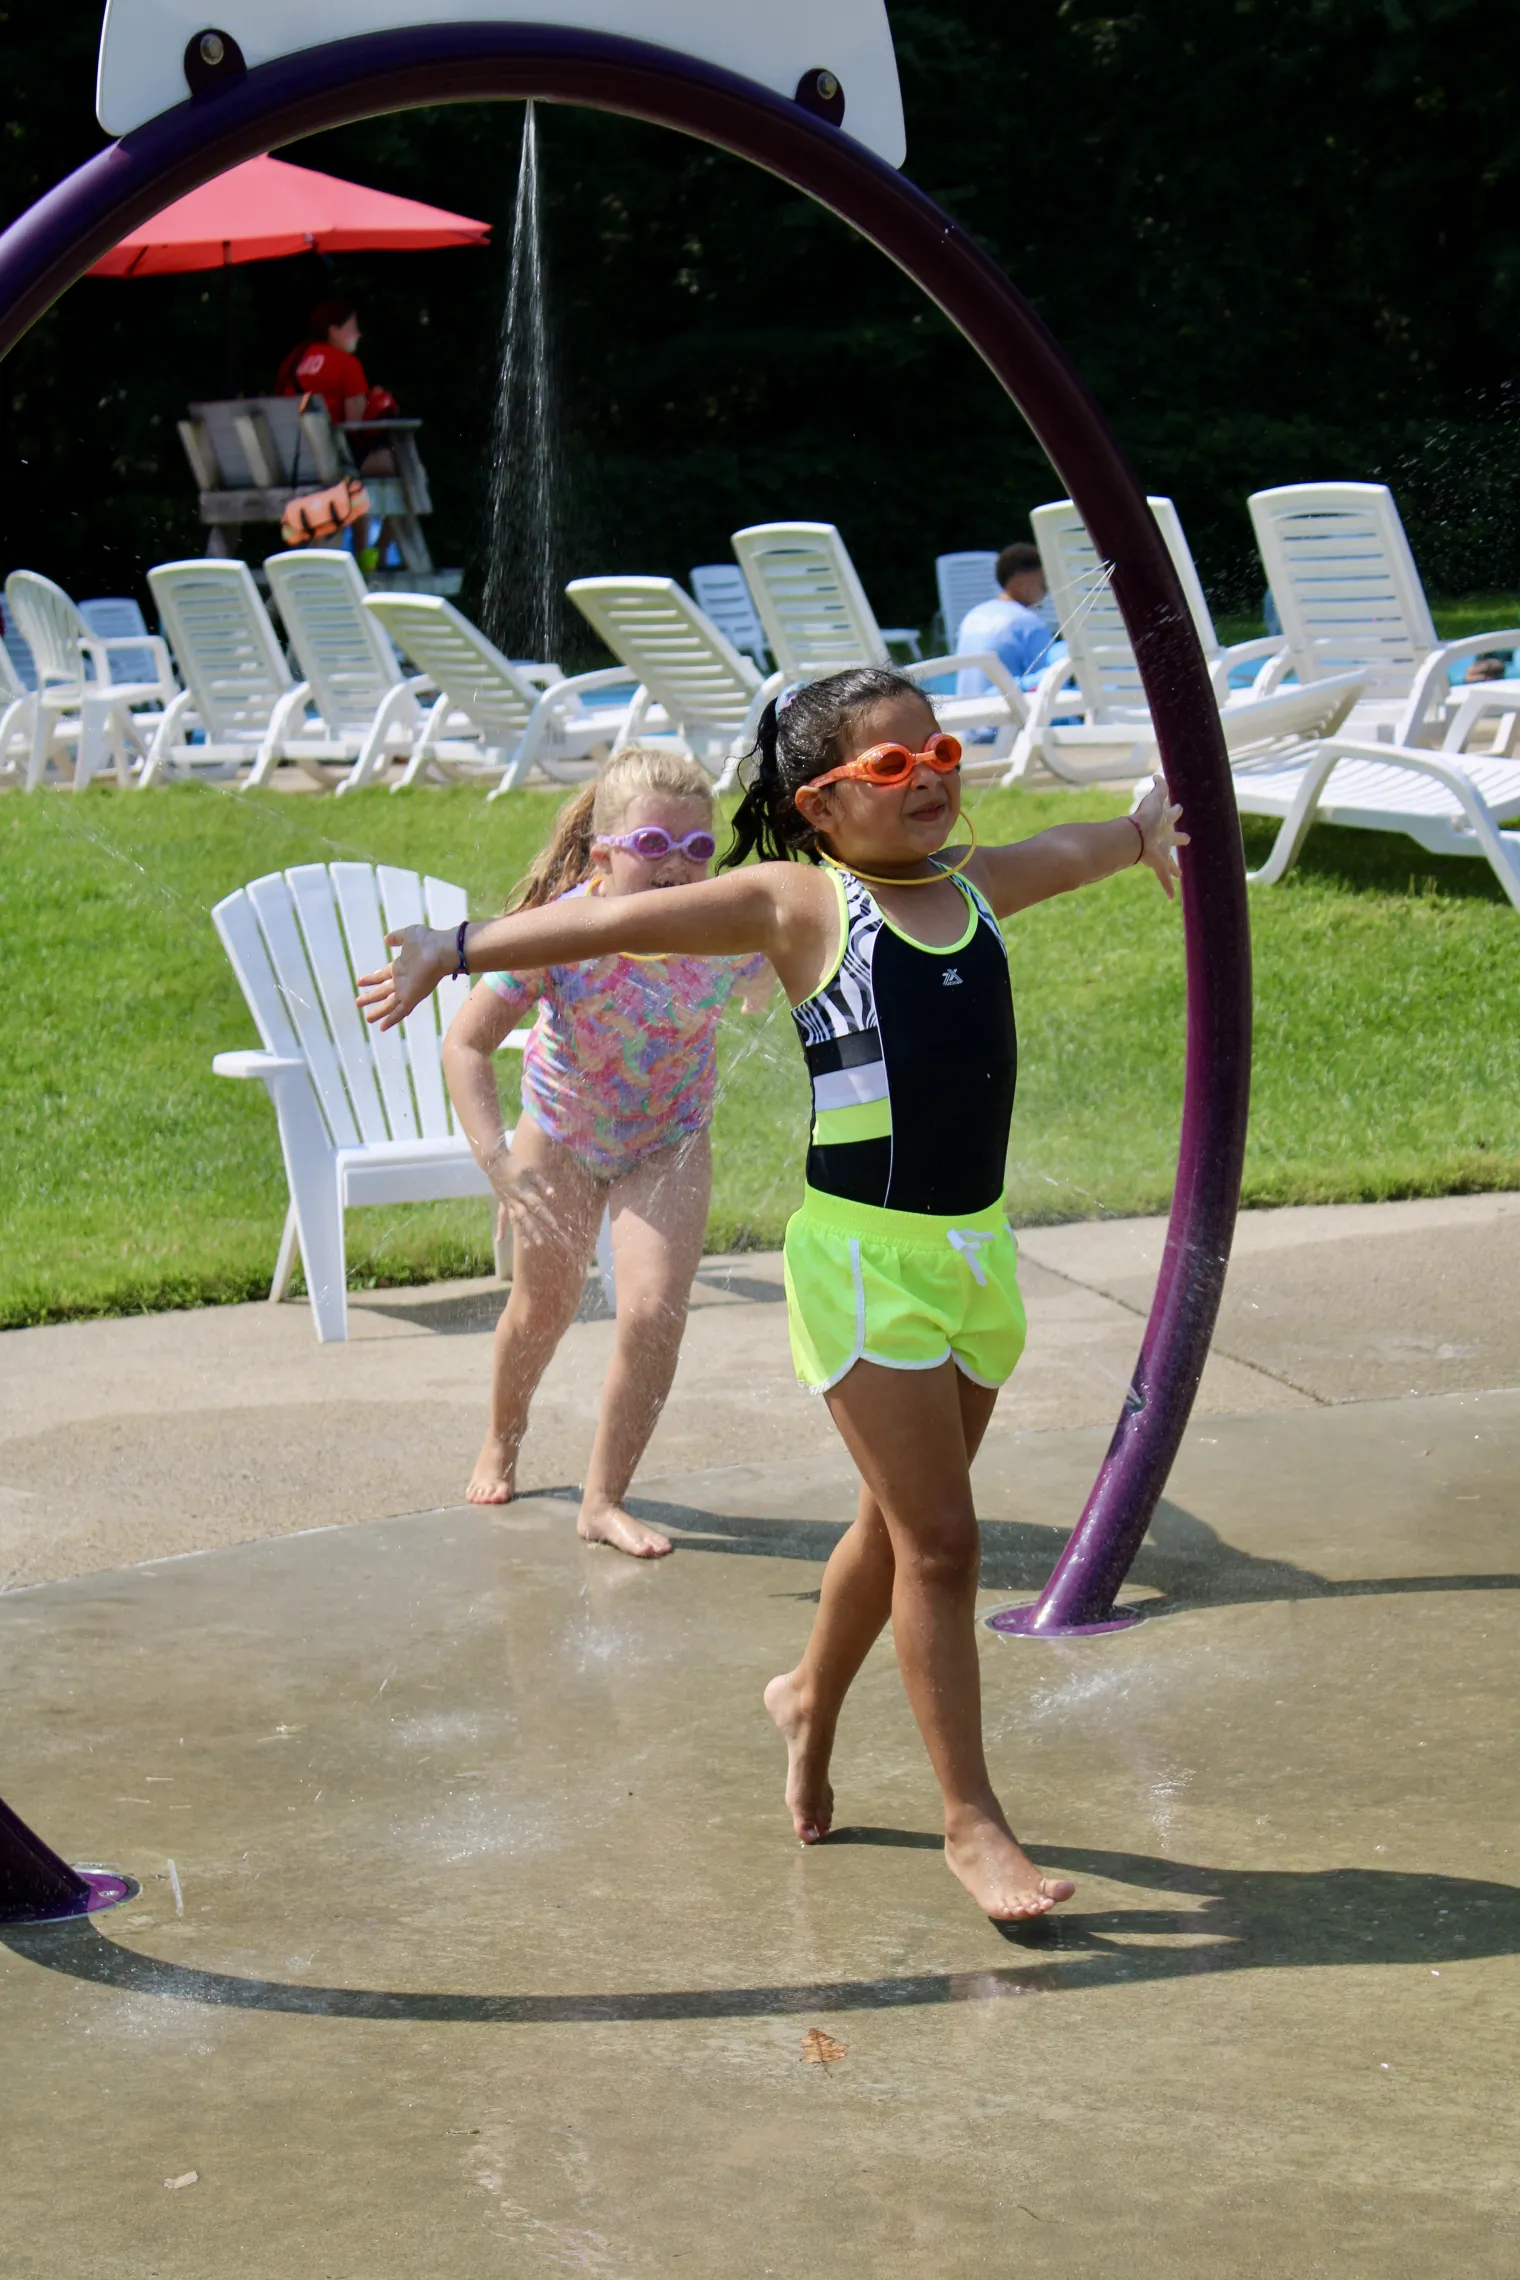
x=1079 y=854
x=770 y=907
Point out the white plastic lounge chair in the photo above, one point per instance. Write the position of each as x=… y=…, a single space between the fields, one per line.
x=1350 y=598
x=818 y=621
x=346 y=657
x=1452 y=802
x=83 y=713
x=963 y=580
x=722 y=593
x=1115 y=738
x=492 y=717
x=364 y=1114
x=710 y=695
x=239 y=689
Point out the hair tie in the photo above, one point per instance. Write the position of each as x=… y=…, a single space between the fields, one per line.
x=787 y=694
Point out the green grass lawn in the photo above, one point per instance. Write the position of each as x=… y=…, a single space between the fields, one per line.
x=1387 y=1040
x=1474 y=613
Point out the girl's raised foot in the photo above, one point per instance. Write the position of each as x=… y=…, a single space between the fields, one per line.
x=610 y=1524
x=999 y=1875
x=491 y=1481
x=808 y=1794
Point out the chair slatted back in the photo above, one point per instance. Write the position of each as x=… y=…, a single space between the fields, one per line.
x=722 y=592
x=963 y=581
x=1344 y=581
x=52 y=628
x=811 y=602
x=672 y=647
x=1092 y=625
x=458 y=659
x=297 y=941
x=224 y=645
x=340 y=647
x=403 y=900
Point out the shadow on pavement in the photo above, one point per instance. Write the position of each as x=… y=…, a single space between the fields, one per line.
x=1182 y=1558
x=1230 y=1920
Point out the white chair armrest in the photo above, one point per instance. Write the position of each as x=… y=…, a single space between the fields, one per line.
x=981 y=661
x=1431 y=680
x=604 y=677
x=1483 y=697
x=1261 y=645
x=253 y=1064
x=153 y=642
x=1047 y=691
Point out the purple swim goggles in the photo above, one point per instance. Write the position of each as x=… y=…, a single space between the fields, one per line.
x=652 y=843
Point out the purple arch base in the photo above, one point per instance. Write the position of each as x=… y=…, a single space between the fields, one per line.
x=51 y=245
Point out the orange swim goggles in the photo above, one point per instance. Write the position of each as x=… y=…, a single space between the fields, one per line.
x=888 y=765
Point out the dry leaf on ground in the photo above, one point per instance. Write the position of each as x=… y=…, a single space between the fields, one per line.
x=819 y=2049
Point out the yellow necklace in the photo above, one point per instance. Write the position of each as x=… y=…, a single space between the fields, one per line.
x=947 y=871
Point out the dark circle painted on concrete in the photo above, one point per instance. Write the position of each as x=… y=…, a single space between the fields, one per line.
x=238 y=117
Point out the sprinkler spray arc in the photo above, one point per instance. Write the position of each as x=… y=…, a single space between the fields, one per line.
x=244 y=111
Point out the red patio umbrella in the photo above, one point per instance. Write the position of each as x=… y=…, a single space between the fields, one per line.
x=266 y=208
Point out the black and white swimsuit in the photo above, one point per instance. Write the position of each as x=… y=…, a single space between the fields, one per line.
x=914 y=1057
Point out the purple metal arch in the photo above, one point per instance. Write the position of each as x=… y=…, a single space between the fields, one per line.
x=55 y=241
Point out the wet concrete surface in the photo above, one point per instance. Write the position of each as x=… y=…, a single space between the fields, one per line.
x=256 y=1430
x=486 y=1949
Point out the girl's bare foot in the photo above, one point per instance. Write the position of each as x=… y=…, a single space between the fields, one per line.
x=999 y=1875
x=808 y=1794
x=491 y=1481
x=610 y=1524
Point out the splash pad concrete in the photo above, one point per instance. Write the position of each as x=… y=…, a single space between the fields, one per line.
x=496 y=1954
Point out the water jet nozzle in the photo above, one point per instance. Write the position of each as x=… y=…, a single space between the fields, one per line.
x=819 y=91
x=213 y=59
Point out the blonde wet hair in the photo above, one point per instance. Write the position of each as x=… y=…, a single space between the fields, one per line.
x=566 y=859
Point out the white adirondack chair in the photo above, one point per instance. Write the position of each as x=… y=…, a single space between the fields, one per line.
x=722 y=593
x=491 y=717
x=711 y=696
x=364 y=1115
x=346 y=657
x=239 y=689
x=78 y=722
x=1350 y=599
x=1115 y=737
x=963 y=580
x=818 y=621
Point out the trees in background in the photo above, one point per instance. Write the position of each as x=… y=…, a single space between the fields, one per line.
x=1280 y=238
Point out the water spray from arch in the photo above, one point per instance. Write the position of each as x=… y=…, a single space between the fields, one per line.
x=521 y=600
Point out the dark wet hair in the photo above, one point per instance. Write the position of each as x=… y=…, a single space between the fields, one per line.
x=327 y=315
x=803 y=740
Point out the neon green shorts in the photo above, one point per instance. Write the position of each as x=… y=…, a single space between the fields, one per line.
x=901 y=1288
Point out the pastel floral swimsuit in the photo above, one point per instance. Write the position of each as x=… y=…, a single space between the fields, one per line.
x=621 y=1060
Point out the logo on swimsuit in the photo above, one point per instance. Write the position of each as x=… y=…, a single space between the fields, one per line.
x=952 y=979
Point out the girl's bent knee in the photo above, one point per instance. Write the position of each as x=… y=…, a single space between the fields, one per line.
x=948 y=1559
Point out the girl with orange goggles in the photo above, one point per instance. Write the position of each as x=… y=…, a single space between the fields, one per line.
x=902 y=1289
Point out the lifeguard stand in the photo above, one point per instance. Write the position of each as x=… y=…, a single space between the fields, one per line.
x=251 y=455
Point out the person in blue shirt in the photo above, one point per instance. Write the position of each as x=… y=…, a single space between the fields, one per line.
x=1010 y=624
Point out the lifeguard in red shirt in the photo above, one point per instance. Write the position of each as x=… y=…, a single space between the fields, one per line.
x=325 y=365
